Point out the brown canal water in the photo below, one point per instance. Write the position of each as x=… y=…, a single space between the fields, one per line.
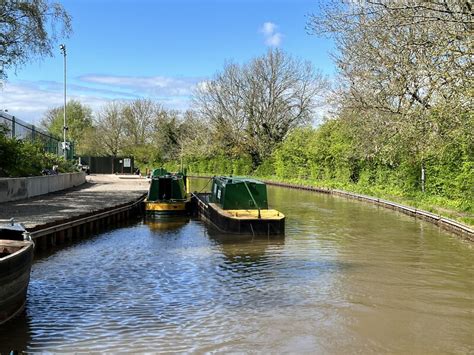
x=348 y=277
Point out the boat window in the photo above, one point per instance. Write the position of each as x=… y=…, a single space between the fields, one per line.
x=219 y=194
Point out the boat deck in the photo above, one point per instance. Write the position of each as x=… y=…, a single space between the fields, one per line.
x=266 y=214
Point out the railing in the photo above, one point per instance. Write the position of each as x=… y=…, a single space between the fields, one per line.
x=16 y=128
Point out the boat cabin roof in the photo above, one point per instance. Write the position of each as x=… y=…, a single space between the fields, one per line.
x=162 y=173
x=237 y=179
x=239 y=193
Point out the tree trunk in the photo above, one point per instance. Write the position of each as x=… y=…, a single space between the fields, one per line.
x=422 y=177
x=256 y=159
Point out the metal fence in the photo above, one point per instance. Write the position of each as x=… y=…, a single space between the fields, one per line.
x=16 y=128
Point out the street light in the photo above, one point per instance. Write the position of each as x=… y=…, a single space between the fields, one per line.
x=62 y=47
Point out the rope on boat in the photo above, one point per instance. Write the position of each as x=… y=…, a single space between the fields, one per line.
x=254 y=202
x=208 y=181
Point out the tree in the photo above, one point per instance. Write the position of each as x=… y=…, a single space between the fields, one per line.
x=29 y=28
x=78 y=120
x=400 y=63
x=110 y=128
x=166 y=135
x=252 y=107
x=195 y=138
x=139 y=116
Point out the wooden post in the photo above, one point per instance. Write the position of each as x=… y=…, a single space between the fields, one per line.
x=52 y=239
x=60 y=237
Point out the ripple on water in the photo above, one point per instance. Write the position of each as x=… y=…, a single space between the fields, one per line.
x=347 y=277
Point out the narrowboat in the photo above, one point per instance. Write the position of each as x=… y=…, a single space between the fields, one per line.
x=167 y=194
x=239 y=205
x=16 y=258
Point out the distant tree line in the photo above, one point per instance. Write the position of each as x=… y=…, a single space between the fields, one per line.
x=244 y=111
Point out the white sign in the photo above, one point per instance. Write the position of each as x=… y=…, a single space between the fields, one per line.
x=127 y=163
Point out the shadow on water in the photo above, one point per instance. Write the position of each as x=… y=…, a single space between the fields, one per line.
x=18 y=340
x=41 y=254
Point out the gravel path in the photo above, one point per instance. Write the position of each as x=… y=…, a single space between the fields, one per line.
x=98 y=193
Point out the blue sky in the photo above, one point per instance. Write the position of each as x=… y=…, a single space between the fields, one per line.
x=124 y=49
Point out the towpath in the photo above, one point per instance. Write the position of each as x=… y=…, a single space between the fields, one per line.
x=99 y=193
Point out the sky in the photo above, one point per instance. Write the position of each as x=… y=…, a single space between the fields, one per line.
x=124 y=50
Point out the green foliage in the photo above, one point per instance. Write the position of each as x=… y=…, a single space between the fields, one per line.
x=29 y=29
x=293 y=158
x=78 y=120
x=25 y=158
x=329 y=156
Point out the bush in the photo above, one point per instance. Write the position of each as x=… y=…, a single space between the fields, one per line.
x=26 y=158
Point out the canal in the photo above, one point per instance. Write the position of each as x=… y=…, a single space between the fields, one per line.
x=348 y=277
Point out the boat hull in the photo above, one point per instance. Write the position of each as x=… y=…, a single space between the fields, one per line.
x=238 y=224
x=166 y=208
x=14 y=276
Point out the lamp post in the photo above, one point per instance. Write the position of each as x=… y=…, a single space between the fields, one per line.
x=62 y=47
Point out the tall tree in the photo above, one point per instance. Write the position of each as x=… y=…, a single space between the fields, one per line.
x=110 y=128
x=253 y=106
x=29 y=28
x=400 y=64
x=139 y=116
x=166 y=134
x=195 y=137
x=78 y=120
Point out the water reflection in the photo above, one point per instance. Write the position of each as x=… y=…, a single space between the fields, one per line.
x=166 y=223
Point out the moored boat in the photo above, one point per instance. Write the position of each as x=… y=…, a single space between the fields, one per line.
x=167 y=194
x=240 y=206
x=16 y=258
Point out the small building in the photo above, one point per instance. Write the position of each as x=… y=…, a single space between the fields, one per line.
x=109 y=165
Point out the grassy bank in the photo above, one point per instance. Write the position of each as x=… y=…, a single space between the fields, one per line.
x=434 y=204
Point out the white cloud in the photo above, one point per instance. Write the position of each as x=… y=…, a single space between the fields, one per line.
x=203 y=85
x=29 y=100
x=273 y=40
x=272 y=37
x=156 y=85
x=268 y=28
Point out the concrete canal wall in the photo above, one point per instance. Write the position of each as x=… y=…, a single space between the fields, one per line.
x=13 y=189
x=460 y=229
x=103 y=202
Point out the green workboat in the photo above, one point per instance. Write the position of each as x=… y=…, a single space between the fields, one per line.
x=167 y=194
x=239 y=205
